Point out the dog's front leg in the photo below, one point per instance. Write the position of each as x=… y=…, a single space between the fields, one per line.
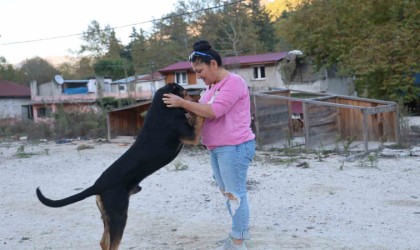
x=198 y=124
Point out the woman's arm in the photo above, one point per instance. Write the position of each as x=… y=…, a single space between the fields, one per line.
x=200 y=109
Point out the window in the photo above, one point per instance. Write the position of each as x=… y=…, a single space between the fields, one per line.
x=44 y=112
x=259 y=72
x=181 y=78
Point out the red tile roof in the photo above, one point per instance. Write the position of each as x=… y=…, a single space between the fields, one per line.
x=12 y=89
x=253 y=59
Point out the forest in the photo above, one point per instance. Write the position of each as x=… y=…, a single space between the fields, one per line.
x=376 y=42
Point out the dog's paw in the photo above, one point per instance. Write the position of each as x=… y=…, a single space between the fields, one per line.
x=135 y=189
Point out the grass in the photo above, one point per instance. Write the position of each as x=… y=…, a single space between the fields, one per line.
x=20 y=153
x=179 y=166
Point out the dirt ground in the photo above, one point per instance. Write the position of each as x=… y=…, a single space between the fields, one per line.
x=297 y=201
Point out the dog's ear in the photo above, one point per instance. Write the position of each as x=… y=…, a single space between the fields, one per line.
x=177 y=89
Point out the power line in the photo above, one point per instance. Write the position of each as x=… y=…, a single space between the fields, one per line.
x=124 y=26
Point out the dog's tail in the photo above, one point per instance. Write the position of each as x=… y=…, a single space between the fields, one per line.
x=66 y=201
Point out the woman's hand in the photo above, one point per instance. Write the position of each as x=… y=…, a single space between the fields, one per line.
x=173 y=101
x=200 y=109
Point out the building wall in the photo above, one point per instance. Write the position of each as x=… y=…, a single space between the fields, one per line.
x=12 y=107
x=305 y=79
x=272 y=77
x=48 y=89
x=51 y=108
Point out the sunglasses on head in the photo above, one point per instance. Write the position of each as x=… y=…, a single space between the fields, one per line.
x=197 y=54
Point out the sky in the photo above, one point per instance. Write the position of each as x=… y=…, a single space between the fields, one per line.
x=26 y=20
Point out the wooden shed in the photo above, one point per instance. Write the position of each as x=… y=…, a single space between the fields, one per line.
x=326 y=118
x=127 y=121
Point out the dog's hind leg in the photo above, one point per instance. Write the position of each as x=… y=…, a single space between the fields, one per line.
x=117 y=223
x=115 y=207
x=105 y=240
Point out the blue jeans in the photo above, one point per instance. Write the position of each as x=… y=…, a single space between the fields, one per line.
x=230 y=167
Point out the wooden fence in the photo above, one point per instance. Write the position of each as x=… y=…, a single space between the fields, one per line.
x=327 y=119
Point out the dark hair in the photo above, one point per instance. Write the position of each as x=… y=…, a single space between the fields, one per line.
x=207 y=55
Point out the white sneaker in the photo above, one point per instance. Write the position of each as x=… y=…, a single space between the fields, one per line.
x=229 y=245
x=223 y=240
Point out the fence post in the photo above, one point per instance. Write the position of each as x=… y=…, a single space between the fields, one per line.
x=397 y=126
x=108 y=123
x=256 y=121
x=365 y=130
x=306 y=125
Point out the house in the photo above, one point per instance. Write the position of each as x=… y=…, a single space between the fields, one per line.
x=145 y=84
x=73 y=95
x=260 y=71
x=263 y=72
x=14 y=100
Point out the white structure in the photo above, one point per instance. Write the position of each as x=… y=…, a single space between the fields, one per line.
x=146 y=84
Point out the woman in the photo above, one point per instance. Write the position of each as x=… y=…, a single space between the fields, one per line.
x=226 y=133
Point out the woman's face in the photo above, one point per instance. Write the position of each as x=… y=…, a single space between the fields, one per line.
x=205 y=72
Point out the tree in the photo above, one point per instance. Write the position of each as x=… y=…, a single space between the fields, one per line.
x=371 y=40
x=115 y=48
x=96 y=40
x=114 y=68
x=229 y=28
x=278 y=8
x=84 y=68
x=260 y=18
x=8 y=72
x=38 y=69
x=112 y=64
x=136 y=50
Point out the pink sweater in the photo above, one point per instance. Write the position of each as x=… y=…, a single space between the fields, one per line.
x=230 y=103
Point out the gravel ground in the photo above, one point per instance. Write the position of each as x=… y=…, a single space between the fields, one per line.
x=297 y=201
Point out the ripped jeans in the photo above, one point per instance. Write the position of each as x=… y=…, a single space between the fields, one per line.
x=230 y=167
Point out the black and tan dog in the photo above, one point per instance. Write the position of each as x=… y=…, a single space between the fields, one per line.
x=159 y=141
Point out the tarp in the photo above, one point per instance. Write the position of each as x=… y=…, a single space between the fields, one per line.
x=73 y=91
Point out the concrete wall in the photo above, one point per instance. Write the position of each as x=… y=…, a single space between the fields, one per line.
x=12 y=107
x=272 y=77
x=324 y=81
x=49 y=89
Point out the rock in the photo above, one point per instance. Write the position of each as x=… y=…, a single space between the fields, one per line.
x=395 y=152
x=415 y=151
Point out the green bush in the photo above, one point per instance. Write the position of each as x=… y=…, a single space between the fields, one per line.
x=66 y=125
x=75 y=124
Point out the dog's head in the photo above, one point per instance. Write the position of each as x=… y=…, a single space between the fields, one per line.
x=176 y=89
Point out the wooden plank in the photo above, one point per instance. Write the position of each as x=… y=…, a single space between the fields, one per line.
x=316 y=114
x=361 y=99
x=316 y=121
x=312 y=102
x=273 y=118
x=272 y=126
x=322 y=139
x=271 y=136
x=317 y=109
x=379 y=109
x=325 y=128
x=273 y=110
